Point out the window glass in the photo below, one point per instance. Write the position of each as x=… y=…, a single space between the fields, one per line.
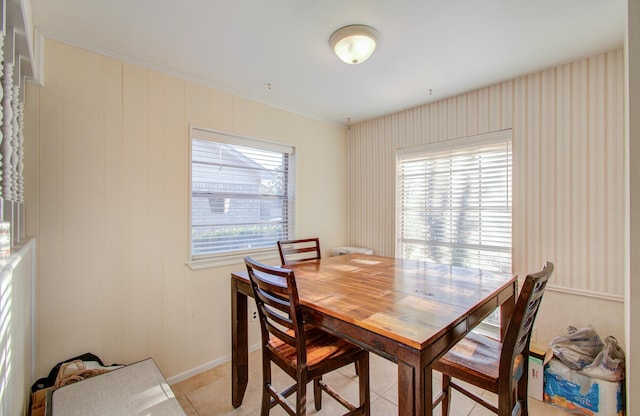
x=240 y=194
x=454 y=203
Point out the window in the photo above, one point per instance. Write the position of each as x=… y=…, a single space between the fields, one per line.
x=241 y=195
x=454 y=202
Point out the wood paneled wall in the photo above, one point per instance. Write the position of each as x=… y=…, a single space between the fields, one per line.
x=568 y=167
x=108 y=201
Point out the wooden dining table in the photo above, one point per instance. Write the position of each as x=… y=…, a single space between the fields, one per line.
x=408 y=311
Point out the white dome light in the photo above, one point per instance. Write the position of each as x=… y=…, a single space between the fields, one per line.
x=354 y=44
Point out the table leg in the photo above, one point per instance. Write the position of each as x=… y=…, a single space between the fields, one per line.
x=239 y=346
x=415 y=390
x=427 y=395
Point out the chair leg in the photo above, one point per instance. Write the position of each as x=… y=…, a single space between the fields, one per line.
x=446 y=391
x=522 y=395
x=266 y=383
x=301 y=398
x=317 y=393
x=508 y=399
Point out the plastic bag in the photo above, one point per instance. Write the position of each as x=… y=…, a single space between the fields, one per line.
x=50 y=380
x=557 y=368
x=609 y=363
x=90 y=360
x=78 y=370
x=578 y=347
x=579 y=394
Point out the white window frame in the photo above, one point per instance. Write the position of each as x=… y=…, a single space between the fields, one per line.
x=503 y=136
x=234 y=257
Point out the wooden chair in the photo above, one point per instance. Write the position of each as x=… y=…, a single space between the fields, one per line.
x=295 y=251
x=499 y=367
x=303 y=351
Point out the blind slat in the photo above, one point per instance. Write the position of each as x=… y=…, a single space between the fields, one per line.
x=454 y=204
x=240 y=194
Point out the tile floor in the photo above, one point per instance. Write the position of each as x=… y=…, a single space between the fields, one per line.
x=209 y=393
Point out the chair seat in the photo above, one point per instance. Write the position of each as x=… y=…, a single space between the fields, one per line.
x=476 y=359
x=321 y=347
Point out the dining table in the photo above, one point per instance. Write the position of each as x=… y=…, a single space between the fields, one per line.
x=408 y=311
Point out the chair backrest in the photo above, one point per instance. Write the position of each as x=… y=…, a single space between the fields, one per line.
x=518 y=334
x=279 y=311
x=295 y=251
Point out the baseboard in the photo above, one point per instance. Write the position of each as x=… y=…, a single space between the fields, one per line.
x=204 y=367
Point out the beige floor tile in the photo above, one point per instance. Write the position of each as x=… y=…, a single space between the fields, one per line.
x=460 y=405
x=186 y=405
x=538 y=408
x=209 y=393
x=383 y=374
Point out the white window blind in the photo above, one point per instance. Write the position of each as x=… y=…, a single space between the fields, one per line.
x=241 y=194
x=454 y=202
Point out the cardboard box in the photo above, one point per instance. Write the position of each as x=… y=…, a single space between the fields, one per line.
x=38 y=399
x=579 y=394
x=38 y=411
x=538 y=358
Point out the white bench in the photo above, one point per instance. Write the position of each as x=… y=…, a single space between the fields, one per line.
x=136 y=389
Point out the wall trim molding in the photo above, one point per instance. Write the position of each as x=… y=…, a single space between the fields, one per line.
x=586 y=293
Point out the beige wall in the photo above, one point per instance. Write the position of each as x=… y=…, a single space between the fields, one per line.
x=108 y=202
x=568 y=172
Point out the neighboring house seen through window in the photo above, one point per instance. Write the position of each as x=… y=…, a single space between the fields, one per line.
x=241 y=194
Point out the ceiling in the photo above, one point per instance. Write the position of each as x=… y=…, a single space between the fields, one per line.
x=277 y=52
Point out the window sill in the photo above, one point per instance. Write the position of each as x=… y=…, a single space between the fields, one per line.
x=18 y=253
x=487 y=329
x=234 y=258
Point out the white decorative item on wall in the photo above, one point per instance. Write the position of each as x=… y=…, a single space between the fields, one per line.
x=5 y=239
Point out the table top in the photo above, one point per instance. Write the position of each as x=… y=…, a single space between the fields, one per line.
x=411 y=302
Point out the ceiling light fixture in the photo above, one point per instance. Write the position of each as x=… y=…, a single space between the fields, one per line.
x=354 y=44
